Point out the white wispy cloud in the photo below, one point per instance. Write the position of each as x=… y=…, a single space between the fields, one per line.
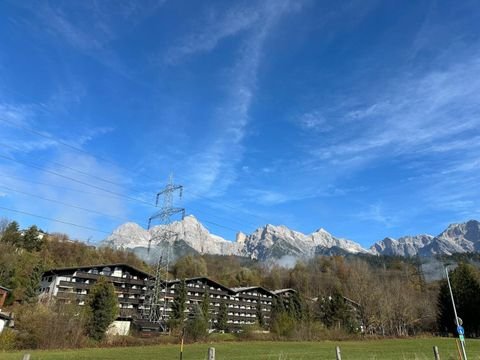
x=423 y=113
x=89 y=27
x=313 y=120
x=214 y=169
x=376 y=213
x=221 y=26
x=267 y=197
x=427 y=122
x=94 y=24
x=14 y=113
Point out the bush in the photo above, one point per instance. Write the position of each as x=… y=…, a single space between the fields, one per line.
x=53 y=326
x=7 y=340
x=125 y=341
x=283 y=325
x=196 y=328
x=254 y=332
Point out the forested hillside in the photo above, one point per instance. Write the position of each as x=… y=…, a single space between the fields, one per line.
x=24 y=255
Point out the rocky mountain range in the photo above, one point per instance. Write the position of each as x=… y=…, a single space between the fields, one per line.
x=457 y=238
x=271 y=242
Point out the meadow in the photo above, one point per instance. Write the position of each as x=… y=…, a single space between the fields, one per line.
x=269 y=350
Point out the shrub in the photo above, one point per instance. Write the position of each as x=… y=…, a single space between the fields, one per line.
x=52 y=326
x=283 y=325
x=7 y=340
x=196 y=328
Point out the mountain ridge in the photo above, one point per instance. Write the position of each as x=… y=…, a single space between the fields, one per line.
x=276 y=241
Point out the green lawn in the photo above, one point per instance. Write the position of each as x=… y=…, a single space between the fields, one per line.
x=351 y=350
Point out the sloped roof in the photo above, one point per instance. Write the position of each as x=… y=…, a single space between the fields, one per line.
x=100 y=266
x=205 y=279
x=249 y=288
x=281 y=291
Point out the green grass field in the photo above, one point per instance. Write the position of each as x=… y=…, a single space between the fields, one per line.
x=351 y=350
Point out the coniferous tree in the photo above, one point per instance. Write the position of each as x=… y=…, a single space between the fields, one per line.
x=334 y=312
x=259 y=313
x=205 y=306
x=222 y=317
x=296 y=307
x=31 y=240
x=277 y=311
x=179 y=304
x=466 y=292
x=31 y=288
x=102 y=307
x=11 y=234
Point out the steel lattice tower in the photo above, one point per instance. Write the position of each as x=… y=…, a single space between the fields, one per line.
x=156 y=298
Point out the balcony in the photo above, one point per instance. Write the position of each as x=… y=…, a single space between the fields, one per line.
x=128 y=301
x=114 y=279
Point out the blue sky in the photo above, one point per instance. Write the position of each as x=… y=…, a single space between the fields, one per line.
x=361 y=117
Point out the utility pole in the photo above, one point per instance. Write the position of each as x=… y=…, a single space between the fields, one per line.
x=458 y=321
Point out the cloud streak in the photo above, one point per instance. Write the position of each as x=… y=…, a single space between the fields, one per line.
x=208 y=36
x=415 y=115
x=215 y=168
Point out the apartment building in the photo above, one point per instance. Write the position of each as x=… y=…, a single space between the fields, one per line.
x=133 y=286
x=72 y=285
x=249 y=301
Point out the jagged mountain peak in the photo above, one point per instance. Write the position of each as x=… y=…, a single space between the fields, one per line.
x=469 y=230
x=457 y=238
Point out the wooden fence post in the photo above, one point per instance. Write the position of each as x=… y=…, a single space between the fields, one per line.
x=436 y=353
x=211 y=353
x=339 y=355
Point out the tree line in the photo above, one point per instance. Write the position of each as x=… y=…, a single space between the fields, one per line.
x=371 y=295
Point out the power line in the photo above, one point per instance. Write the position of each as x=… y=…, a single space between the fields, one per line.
x=82 y=182
x=218 y=225
x=64 y=222
x=50 y=137
x=113 y=197
x=75 y=180
x=94 y=211
x=63 y=203
x=116 y=183
x=117 y=194
x=55 y=220
x=58 y=186
x=70 y=168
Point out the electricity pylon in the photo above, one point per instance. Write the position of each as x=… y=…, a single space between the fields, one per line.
x=157 y=295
